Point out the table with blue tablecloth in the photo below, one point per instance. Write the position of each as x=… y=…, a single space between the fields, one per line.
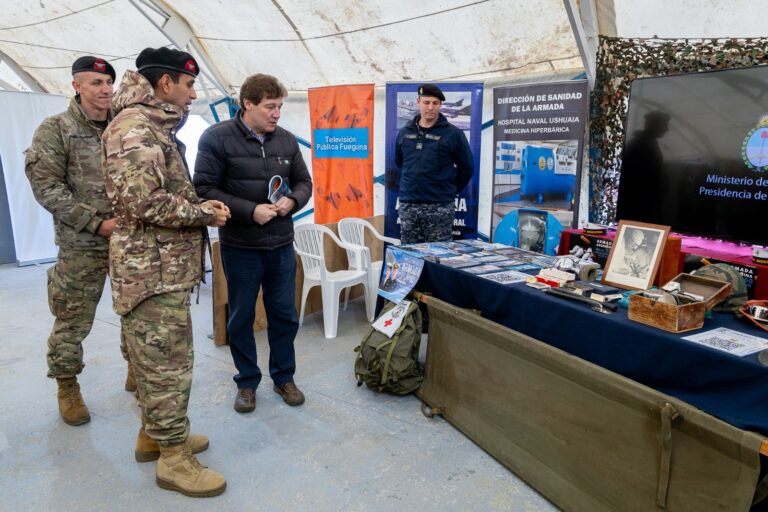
x=525 y=394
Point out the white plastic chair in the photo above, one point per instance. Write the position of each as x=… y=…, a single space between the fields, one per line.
x=352 y=232
x=308 y=241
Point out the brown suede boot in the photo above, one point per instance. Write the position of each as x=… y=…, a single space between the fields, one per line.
x=179 y=470
x=148 y=450
x=130 y=382
x=71 y=406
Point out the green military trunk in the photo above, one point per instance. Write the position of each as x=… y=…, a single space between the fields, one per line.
x=586 y=438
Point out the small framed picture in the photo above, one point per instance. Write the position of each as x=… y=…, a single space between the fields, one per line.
x=635 y=255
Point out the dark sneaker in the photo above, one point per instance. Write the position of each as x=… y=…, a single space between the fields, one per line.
x=245 y=401
x=290 y=393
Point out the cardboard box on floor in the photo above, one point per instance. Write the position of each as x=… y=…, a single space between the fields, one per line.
x=335 y=258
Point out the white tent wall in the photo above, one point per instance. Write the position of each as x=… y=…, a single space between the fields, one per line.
x=32 y=225
x=682 y=18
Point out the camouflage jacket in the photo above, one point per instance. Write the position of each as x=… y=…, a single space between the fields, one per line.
x=157 y=246
x=63 y=166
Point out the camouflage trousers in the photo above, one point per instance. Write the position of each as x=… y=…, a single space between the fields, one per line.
x=426 y=222
x=159 y=336
x=75 y=284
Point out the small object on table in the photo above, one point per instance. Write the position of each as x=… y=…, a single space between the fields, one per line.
x=600 y=307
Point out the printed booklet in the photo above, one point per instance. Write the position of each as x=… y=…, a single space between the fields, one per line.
x=278 y=189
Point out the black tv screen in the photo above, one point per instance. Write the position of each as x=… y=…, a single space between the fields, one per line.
x=696 y=154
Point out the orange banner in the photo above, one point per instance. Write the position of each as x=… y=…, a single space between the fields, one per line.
x=342 y=151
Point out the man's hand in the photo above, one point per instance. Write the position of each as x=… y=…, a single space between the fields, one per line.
x=264 y=213
x=221 y=210
x=285 y=206
x=107 y=227
x=218 y=205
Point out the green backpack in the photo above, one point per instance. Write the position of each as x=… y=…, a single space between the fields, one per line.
x=728 y=274
x=392 y=364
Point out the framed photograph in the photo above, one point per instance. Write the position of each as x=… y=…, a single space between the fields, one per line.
x=635 y=255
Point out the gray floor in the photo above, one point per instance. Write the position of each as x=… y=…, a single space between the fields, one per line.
x=346 y=449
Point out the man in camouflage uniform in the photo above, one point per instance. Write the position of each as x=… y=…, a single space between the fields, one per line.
x=157 y=257
x=63 y=165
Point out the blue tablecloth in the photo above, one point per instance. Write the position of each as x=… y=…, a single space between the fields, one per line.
x=732 y=388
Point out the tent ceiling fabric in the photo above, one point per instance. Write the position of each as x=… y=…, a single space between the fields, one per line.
x=681 y=19
x=305 y=44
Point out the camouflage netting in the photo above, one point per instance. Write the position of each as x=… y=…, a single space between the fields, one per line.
x=619 y=61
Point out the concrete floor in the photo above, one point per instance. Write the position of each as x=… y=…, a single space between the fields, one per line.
x=346 y=449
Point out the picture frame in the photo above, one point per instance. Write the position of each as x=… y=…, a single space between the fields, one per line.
x=635 y=255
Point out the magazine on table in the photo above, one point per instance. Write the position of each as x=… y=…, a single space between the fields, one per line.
x=519 y=267
x=430 y=249
x=506 y=277
x=510 y=263
x=461 y=261
x=491 y=258
x=482 y=269
x=514 y=252
x=278 y=189
x=459 y=247
x=483 y=245
x=400 y=273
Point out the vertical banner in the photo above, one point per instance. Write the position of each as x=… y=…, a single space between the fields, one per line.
x=342 y=151
x=463 y=107
x=538 y=139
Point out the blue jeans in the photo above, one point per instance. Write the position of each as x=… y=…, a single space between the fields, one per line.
x=275 y=272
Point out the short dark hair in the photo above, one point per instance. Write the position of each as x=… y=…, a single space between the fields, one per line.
x=259 y=86
x=153 y=75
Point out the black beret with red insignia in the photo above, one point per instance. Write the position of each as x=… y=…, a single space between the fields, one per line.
x=431 y=90
x=166 y=58
x=95 y=64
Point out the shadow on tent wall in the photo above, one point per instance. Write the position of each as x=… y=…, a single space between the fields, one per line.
x=7 y=247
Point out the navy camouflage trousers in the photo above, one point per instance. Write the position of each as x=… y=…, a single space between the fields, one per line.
x=159 y=336
x=75 y=284
x=426 y=222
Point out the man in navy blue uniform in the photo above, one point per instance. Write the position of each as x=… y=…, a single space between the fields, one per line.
x=436 y=164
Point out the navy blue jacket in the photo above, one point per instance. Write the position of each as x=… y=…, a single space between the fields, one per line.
x=440 y=169
x=234 y=167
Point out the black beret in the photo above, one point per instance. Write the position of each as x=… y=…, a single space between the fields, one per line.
x=95 y=64
x=431 y=90
x=166 y=58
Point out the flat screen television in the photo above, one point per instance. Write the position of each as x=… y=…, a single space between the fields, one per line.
x=696 y=154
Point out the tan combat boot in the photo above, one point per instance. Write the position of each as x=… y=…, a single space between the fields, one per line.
x=71 y=406
x=148 y=450
x=130 y=381
x=179 y=470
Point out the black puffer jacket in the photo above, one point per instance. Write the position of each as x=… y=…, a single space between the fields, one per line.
x=233 y=167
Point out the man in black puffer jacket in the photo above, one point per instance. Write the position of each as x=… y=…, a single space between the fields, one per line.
x=236 y=160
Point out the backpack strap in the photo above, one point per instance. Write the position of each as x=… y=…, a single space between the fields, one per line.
x=392 y=344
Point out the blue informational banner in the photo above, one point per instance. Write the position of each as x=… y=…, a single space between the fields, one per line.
x=463 y=107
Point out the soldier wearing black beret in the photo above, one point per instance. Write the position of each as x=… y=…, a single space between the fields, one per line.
x=436 y=163
x=156 y=256
x=63 y=166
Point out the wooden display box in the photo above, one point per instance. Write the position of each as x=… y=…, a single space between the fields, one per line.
x=680 y=317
